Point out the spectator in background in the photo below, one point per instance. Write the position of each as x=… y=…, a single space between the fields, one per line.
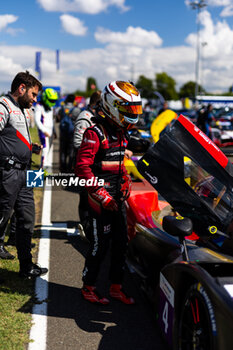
x=84 y=119
x=204 y=119
x=147 y=111
x=163 y=109
x=44 y=116
x=83 y=122
x=67 y=115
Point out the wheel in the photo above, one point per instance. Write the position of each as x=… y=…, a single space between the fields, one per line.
x=197 y=325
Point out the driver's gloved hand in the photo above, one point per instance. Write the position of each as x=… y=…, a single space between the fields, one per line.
x=102 y=196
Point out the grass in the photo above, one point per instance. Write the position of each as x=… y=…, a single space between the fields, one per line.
x=16 y=295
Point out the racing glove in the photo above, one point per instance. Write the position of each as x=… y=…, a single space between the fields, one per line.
x=126 y=186
x=107 y=201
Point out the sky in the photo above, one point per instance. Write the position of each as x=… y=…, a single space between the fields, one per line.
x=117 y=40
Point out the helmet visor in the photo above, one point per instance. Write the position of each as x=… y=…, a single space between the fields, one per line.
x=129 y=108
x=52 y=100
x=128 y=120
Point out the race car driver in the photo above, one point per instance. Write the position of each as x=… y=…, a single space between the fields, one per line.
x=101 y=156
x=44 y=121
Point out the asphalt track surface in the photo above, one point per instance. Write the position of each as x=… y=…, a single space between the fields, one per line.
x=72 y=322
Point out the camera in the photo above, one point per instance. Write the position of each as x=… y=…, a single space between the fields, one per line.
x=36 y=148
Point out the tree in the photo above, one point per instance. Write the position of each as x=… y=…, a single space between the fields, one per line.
x=230 y=91
x=91 y=86
x=165 y=85
x=188 y=90
x=80 y=93
x=145 y=86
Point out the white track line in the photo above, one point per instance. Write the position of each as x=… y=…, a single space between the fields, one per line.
x=38 y=331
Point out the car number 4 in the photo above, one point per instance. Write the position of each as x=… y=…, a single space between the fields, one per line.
x=165 y=316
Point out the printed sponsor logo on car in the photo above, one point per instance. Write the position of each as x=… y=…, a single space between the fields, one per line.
x=167 y=289
x=153 y=179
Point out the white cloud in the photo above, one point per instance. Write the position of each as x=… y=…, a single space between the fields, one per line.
x=133 y=36
x=7 y=68
x=82 y=6
x=105 y=64
x=219 y=37
x=227 y=11
x=14 y=31
x=226 y=4
x=7 y=65
x=5 y=20
x=216 y=54
x=122 y=57
x=73 y=25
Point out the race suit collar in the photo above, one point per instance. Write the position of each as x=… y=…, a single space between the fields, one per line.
x=111 y=128
x=89 y=109
x=11 y=98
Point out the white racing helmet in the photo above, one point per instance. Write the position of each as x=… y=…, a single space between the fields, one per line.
x=121 y=102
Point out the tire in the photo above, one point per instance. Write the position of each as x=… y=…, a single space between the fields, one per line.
x=197 y=325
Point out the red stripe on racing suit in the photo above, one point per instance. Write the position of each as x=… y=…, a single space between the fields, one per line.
x=22 y=138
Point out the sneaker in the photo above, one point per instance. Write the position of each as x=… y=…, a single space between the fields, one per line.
x=90 y=293
x=118 y=293
x=81 y=230
x=33 y=272
x=4 y=254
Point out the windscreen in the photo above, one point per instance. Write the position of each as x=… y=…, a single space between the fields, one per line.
x=208 y=188
x=192 y=174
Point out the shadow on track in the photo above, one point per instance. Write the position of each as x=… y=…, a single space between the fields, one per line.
x=117 y=326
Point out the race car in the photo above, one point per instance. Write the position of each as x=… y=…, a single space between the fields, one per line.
x=139 y=142
x=184 y=258
x=222 y=133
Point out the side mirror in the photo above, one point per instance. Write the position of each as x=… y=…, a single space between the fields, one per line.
x=177 y=226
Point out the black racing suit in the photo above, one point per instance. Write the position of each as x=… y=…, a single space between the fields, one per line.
x=15 y=158
x=101 y=156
